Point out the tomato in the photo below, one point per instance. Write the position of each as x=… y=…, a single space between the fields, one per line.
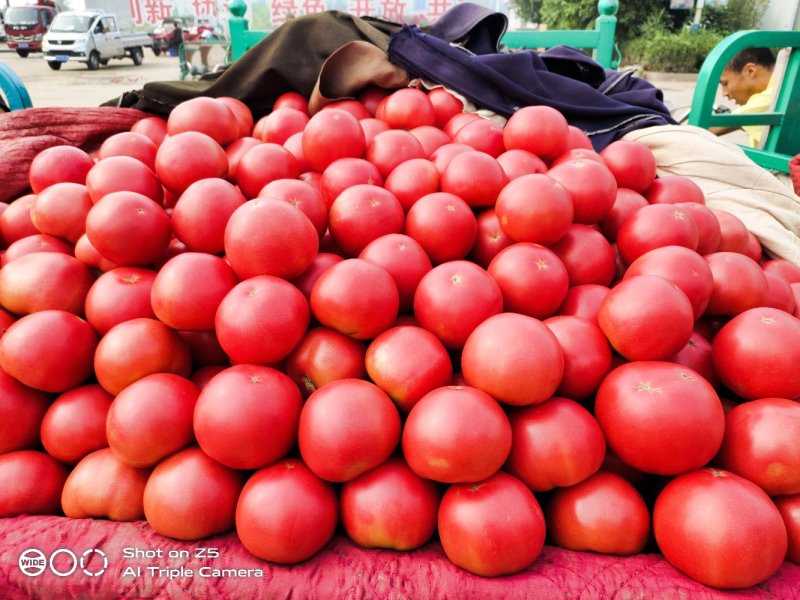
x=632 y=164
x=103 y=486
x=584 y=301
x=153 y=127
x=456 y=434
x=453 y=298
x=123 y=174
x=31 y=482
x=294 y=100
x=205 y=115
x=202 y=212
x=412 y=180
x=190 y=496
x=347 y=428
x=672 y=189
x=578 y=138
x=119 y=295
x=60 y=210
x=430 y=138
x=457 y=121
x=578 y=517
x=492 y=527
x=591 y=186
x=475 y=177
x=696 y=355
x=482 y=134
x=789 y=507
x=129 y=229
x=587 y=355
x=363 y=213
x=356 y=297
x=577 y=154
x=237 y=149
x=240 y=110
x=587 y=255
x=532 y=278
x=646 y=318
x=407 y=108
x=739 y=284
x=659 y=417
x=262 y=164
x=25 y=408
x=187 y=157
x=442 y=156
x=302 y=517
x=703 y=520
x=445 y=105
x=517 y=163
x=626 y=203
x=444 y=225
x=259 y=309
x=88 y=255
x=405 y=260
x=45 y=281
x=58 y=164
x=319 y=264
x=534 y=208
x=708 y=228
x=407 y=362
x=490 y=239
x=246 y=416
x=389 y=149
x=137 y=348
x=555 y=444
x=35 y=243
x=733 y=232
x=539 y=129
x=756 y=353
x=656 y=226
x=347 y=172
x=779 y=294
x=269 y=237
x=325 y=355
x=295 y=145
x=332 y=134
x=75 y=423
x=389 y=507
x=279 y=125
x=303 y=196
x=49 y=350
x=788 y=271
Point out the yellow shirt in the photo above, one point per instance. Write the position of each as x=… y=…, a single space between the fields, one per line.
x=758 y=103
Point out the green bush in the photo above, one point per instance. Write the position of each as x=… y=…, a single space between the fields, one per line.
x=682 y=52
x=736 y=16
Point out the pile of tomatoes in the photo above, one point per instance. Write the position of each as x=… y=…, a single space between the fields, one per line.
x=400 y=320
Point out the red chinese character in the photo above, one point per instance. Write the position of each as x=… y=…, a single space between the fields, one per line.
x=205 y=7
x=436 y=8
x=311 y=7
x=136 y=12
x=156 y=10
x=282 y=10
x=360 y=7
x=393 y=10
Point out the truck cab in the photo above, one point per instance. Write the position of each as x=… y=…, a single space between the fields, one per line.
x=26 y=24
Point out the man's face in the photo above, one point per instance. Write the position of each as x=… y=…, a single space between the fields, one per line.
x=735 y=86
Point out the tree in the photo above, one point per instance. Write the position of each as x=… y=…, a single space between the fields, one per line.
x=528 y=10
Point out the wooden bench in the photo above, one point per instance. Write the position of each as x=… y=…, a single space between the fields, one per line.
x=782 y=140
x=13 y=90
x=600 y=39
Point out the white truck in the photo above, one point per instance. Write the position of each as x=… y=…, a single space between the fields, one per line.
x=93 y=36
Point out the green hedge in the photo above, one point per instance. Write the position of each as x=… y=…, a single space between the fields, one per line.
x=682 y=52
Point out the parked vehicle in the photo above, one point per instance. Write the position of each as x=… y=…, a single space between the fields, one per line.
x=26 y=23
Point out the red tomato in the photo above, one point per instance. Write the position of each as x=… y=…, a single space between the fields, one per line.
x=129 y=229
x=15 y=220
x=137 y=348
x=35 y=243
x=347 y=428
x=260 y=308
x=626 y=203
x=246 y=416
x=206 y=115
x=739 y=284
x=407 y=108
x=789 y=507
x=457 y=121
x=584 y=301
x=517 y=163
x=153 y=127
x=295 y=145
x=412 y=180
x=632 y=164
x=389 y=507
x=656 y=226
x=490 y=240
x=660 y=417
x=405 y=260
x=704 y=520
x=45 y=281
x=445 y=105
x=49 y=350
x=456 y=434
x=304 y=197
x=492 y=527
x=187 y=157
x=587 y=255
x=119 y=295
x=60 y=210
x=442 y=156
x=578 y=138
x=347 y=172
x=123 y=174
x=75 y=424
x=262 y=164
x=291 y=100
x=733 y=232
x=101 y=485
x=354 y=107
x=444 y=225
x=372 y=127
x=202 y=212
x=430 y=137
x=672 y=189
x=708 y=229
x=240 y=110
x=555 y=444
x=696 y=355
x=578 y=153
x=190 y=496
x=356 y=297
x=302 y=517
x=390 y=148
x=539 y=129
x=59 y=164
x=788 y=271
x=591 y=186
x=453 y=298
x=31 y=482
x=407 y=362
x=319 y=264
x=646 y=318
x=534 y=208
x=88 y=255
x=237 y=149
x=325 y=355
x=587 y=355
x=23 y=406
x=269 y=237
x=482 y=134
x=332 y=134
x=756 y=354
x=363 y=213
x=532 y=278
x=279 y=125
x=578 y=517
x=475 y=177
x=779 y=294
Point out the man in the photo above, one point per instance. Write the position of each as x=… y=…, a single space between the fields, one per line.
x=747 y=80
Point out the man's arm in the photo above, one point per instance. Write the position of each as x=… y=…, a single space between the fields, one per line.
x=723 y=130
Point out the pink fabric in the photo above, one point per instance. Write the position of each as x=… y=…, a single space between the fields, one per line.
x=794 y=173
x=341 y=570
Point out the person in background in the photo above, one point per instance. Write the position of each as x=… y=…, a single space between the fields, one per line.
x=748 y=80
x=176 y=40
